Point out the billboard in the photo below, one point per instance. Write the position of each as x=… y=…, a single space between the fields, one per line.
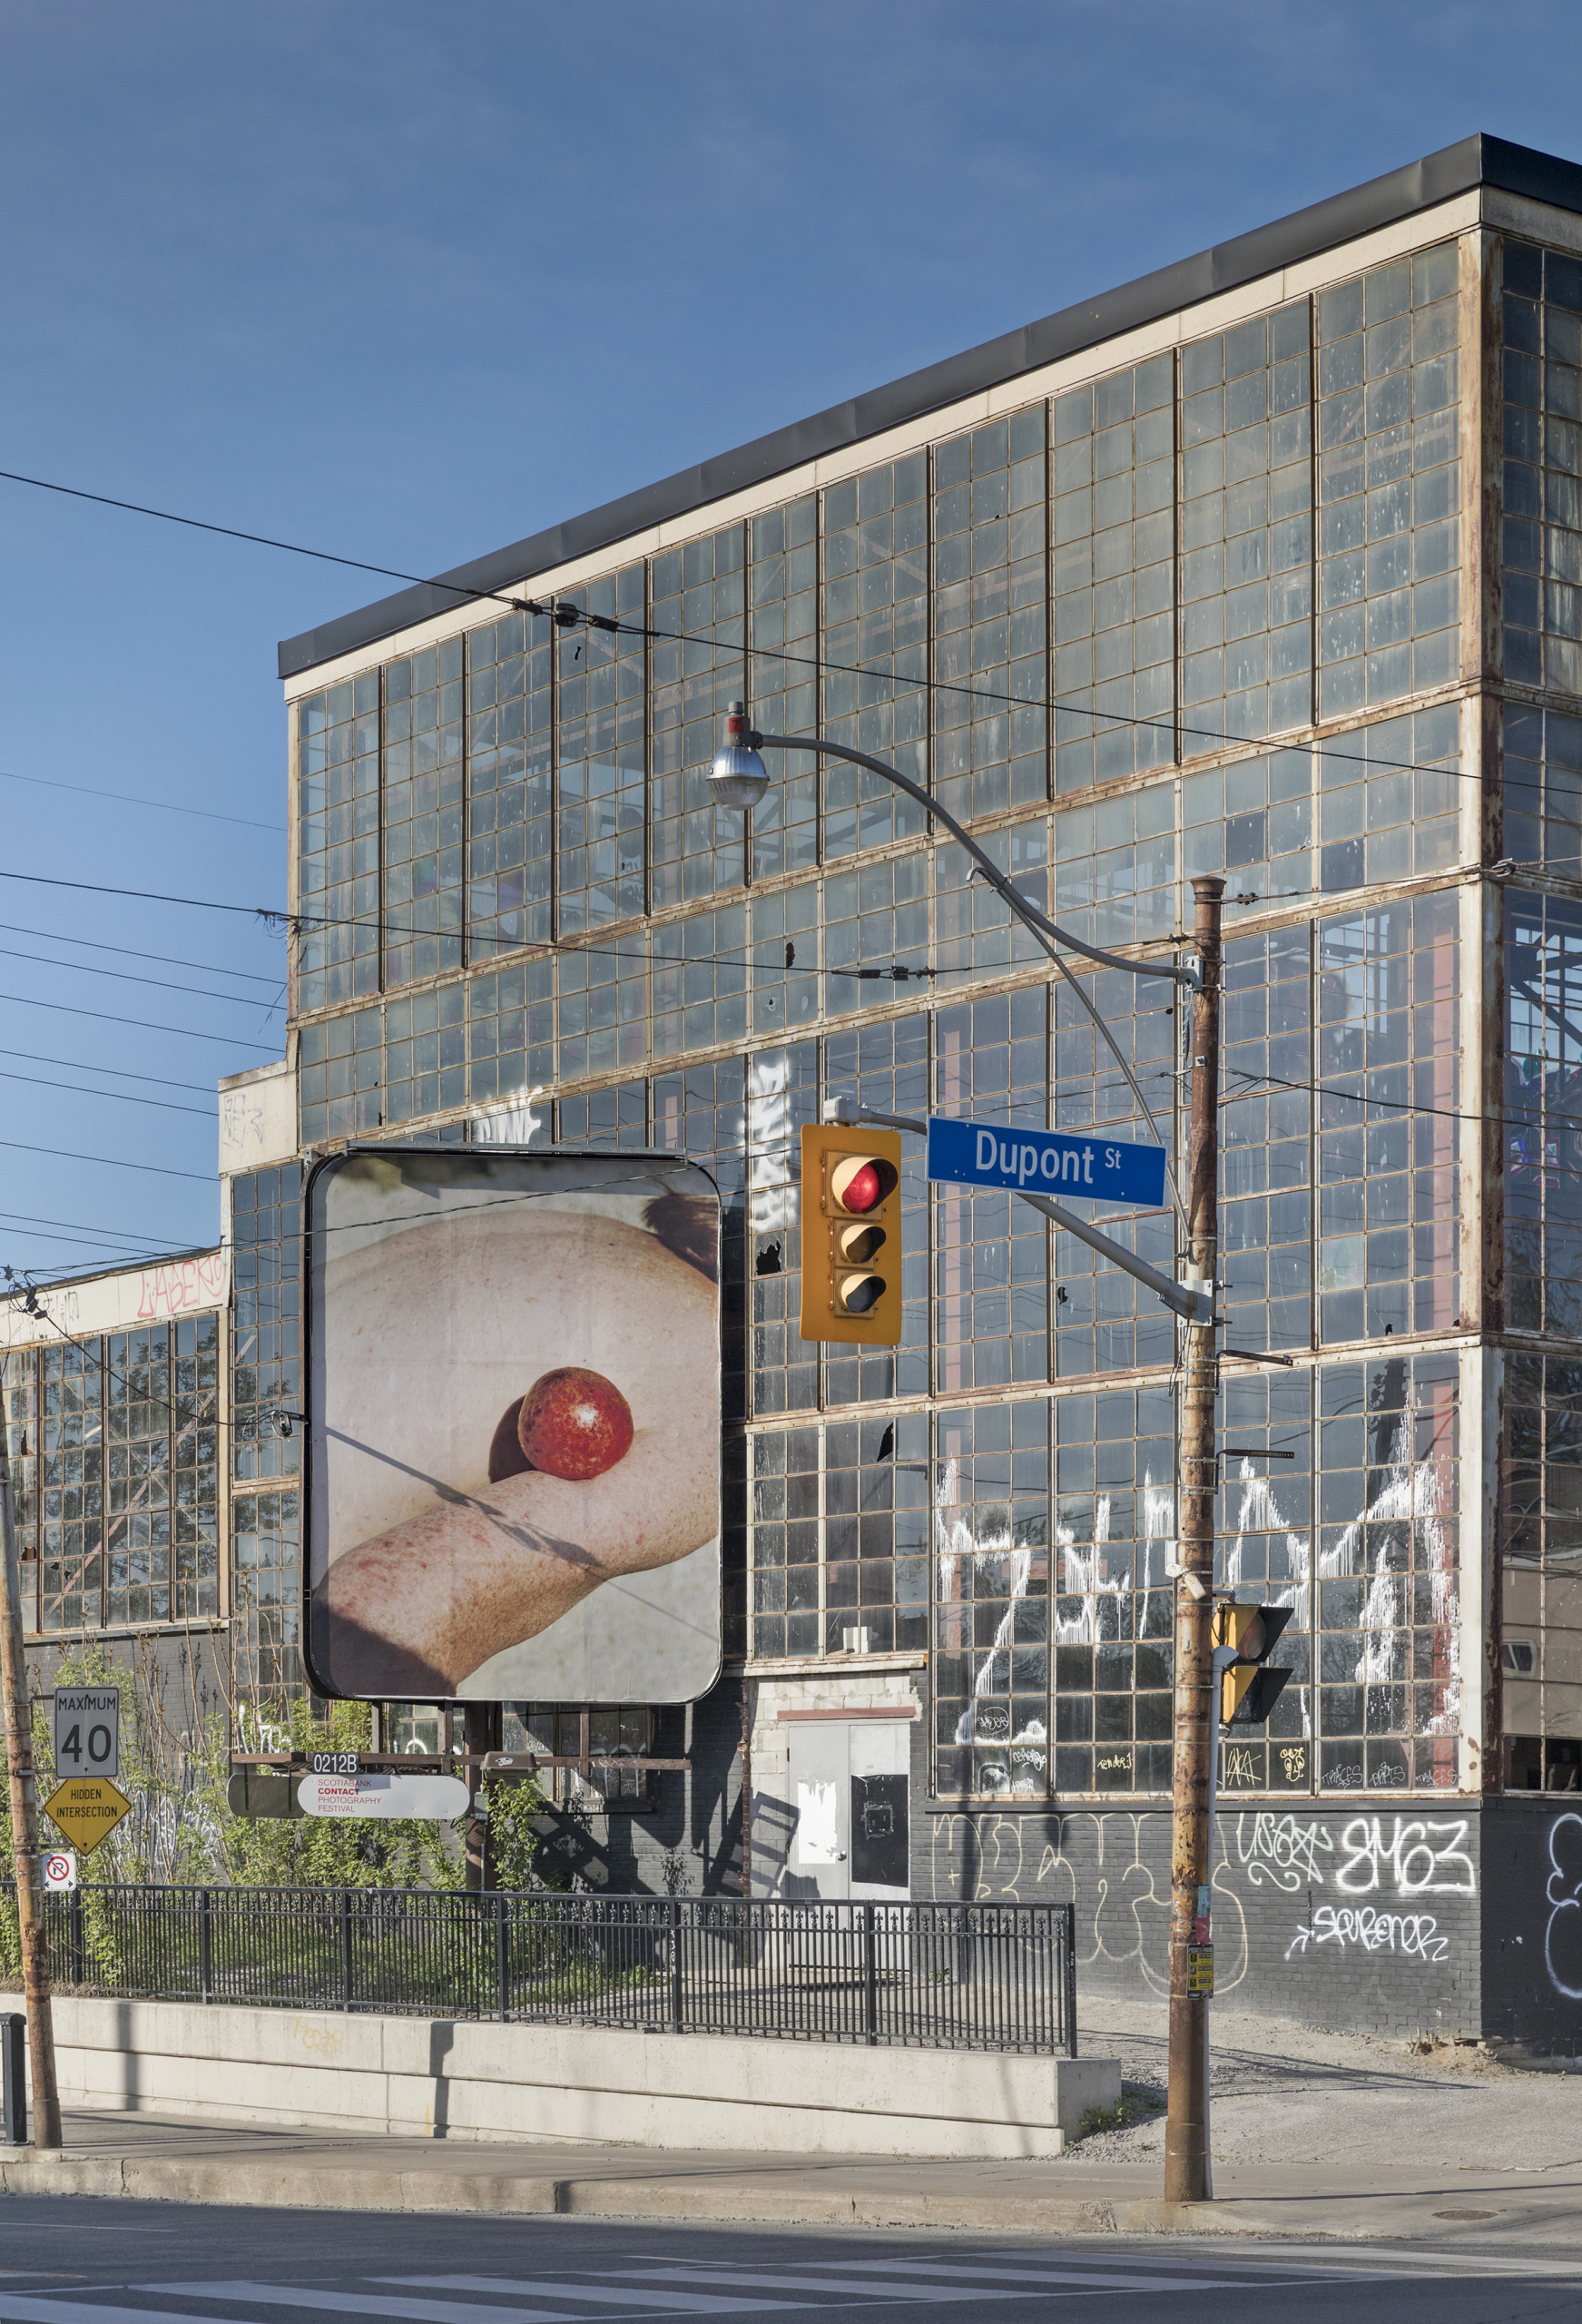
x=513 y=1438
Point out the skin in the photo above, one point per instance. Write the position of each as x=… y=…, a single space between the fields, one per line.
x=450 y=1570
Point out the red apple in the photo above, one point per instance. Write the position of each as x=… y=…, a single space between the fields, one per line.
x=574 y=1424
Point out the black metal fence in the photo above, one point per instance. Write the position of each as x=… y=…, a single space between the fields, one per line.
x=959 y=1976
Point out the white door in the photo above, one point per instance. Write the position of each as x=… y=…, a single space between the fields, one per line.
x=821 y=1803
x=849 y=1781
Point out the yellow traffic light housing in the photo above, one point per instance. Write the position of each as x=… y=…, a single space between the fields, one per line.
x=1249 y=1689
x=852 y=1236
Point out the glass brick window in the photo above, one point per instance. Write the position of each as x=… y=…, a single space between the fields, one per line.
x=1541 y=1566
x=976 y=936
x=195 y=1457
x=266 y=1226
x=1389 y=1071
x=268 y=1600
x=1265 y=1193
x=875 y=920
x=1543 y=1124
x=885 y=1067
x=876 y=1534
x=991 y=1252
x=1114 y=867
x=616 y=1118
x=19 y=1378
x=783 y=696
x=603 y=1003
x=341 y=1065
x=71 y=1486
x=1114 y=503
x=510 y=1036
x=1389 y=1612
x=782 y=1096
x=785 y=958
x=1543 y=790
x=338 y=842
x=137 y=1479
x=700 y=981
x=424 y=812
x=875 y=648
x=991 y=1600
x=1246 y=561
x=1252 y=821
x=787 y=1572
x=1114 y=1529
x=1263 y=1551
x=510 y=843
x=989 y=582
x=697 y=845
x=1388 y=482
x=1543 y=468
x=1390 y=800
x=1104 y=1320
x=601 y=750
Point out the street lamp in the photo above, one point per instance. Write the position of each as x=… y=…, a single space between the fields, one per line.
x=739 y=780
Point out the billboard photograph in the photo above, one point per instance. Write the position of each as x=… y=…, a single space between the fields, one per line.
x=513 y=1485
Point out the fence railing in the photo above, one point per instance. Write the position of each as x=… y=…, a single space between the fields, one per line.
x=961 y=1976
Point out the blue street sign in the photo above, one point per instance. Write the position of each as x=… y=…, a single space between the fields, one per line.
x=1049 y=1162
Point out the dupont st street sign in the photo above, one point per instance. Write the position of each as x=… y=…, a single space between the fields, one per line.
x=1089 y=1165
x=87 y=1810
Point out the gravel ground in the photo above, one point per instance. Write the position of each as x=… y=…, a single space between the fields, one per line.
x=1285 y=2093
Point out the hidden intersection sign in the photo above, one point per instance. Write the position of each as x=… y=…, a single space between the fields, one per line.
x=1048 y=1162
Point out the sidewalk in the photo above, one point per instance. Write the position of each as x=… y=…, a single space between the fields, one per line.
x=1316 y=2135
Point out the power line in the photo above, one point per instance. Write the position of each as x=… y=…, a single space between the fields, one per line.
x=187 y=1032
x=126 y=1097
x=112 y=1161
x=81 y=1226
x=77 y=1064
x=131 y=952
x=567 y=615
x=130 y=976
x=130 y=799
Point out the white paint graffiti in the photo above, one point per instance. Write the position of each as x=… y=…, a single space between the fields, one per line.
x=1283 y=1849
x=1425 y=1859
x=1563 y=1935
x=1415 y=1934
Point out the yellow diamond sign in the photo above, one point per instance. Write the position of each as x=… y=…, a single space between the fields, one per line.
x=87 y=1810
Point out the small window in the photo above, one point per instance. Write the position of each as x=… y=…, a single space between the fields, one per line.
x=1520 y=1658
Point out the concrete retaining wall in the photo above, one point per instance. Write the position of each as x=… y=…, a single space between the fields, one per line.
x=418 y=2077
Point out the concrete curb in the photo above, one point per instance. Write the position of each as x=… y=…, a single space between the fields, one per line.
x=692 y=2197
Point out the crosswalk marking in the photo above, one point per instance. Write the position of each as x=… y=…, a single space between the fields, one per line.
x=351 y=2303
x=890 y=2286
x=15 y=2307
x=1048 y=2280
x=620 y=2296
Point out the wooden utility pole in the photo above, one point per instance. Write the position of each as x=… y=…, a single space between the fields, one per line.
x=41 y=2039
x=1185 y=2134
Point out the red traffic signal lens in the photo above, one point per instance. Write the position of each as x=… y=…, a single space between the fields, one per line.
x=862 y=1190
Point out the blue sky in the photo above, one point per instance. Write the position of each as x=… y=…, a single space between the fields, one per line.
x=408 y=283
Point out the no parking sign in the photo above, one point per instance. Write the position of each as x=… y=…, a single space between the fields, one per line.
x=60 y=1868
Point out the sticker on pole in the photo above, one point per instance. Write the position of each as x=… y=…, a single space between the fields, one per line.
x=1200 y=1969
x=60 y=1868
x=87 y=1811
x=1089 y=1168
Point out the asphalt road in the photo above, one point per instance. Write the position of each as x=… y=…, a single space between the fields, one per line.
x=77 y=2260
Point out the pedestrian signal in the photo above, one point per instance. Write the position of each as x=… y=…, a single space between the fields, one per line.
x=852 y=1236
x=1249 y=1688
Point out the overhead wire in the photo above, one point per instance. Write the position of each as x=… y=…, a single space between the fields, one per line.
x=132 y=952
x=130 y=976
x=130 y=799
x=113 y=1161
x=187 y=1032
x=78 y=1065
x=126 y=1097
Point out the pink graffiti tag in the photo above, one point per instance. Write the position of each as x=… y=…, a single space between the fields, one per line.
x=181 y=1286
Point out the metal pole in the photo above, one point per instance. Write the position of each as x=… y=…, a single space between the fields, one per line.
x=1185 y=2140
x=41 y=2039
x=1223 y=1657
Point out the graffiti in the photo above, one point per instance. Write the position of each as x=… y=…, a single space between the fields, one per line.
x=993 y=1854
x=1413 y=1935
x=1563 y=1933
x=177 y=1289
x=1421 y=1863
x=1283 y=1849
x=241 y=1120
x=1242 y=1771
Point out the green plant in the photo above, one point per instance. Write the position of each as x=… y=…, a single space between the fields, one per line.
x=1135 y=2106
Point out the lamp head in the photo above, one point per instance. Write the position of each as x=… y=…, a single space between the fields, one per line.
x=738 y=775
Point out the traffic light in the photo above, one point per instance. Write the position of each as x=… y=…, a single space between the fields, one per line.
x=852 y=1236
x=1249 y=1689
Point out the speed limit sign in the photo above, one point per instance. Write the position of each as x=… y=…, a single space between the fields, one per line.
x=60 y=1868
x=88 y=1731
